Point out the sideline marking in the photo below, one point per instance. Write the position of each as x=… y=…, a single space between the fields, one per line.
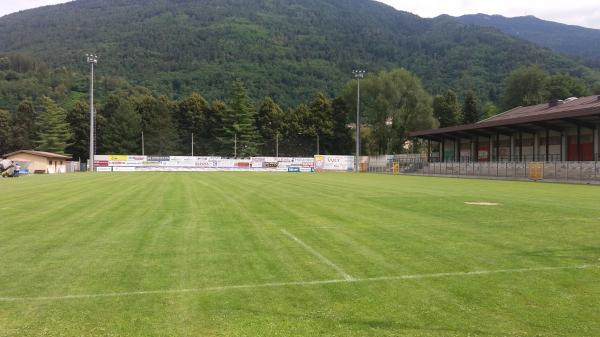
x=297 y=283
x=323 y=259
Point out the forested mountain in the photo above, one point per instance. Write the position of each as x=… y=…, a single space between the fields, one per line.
x=286 y=49
x=568 y=39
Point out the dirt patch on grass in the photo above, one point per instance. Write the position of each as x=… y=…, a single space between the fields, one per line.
x=481 y=203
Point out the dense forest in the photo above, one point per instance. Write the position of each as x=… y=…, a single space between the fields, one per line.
x=288 y=50
x=581 y=42
x=255 y=76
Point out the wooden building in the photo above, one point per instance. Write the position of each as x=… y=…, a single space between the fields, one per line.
x=556 y=131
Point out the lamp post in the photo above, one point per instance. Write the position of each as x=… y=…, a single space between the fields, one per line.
x=358 y=75
x=92 y=59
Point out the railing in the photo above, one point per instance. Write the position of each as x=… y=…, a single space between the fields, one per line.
x=553 y=170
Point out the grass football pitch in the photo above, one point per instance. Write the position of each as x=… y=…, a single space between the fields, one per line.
x=261 y=254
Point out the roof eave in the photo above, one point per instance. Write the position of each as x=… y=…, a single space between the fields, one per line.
x=521 y=120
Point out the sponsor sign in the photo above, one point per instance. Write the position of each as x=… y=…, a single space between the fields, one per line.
x=130 y=163
x=334 y=163
x=126 y=163
x=101 y=163
x=158 y=158
x=270 y=164
x=113 y=157
x=123 y=169
x=103 y=169
x=243 y=164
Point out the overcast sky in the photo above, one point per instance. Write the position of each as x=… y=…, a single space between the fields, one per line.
x=579 y=12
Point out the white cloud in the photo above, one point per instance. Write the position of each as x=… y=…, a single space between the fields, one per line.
x=581 y=12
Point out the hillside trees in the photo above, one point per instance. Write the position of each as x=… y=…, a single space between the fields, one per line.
x=79 y=120
x=394 y=103
x=320 y=119
x=190 y=119
x=286 y=50
x=5 y=127
x=447 y=109
x=23 y=127
x=160 y=134
x=123 y=128
x=54 y=132
x=532 y=85
x=270 y=123
x=239 y=135
x=340 y=141
x=470 y=114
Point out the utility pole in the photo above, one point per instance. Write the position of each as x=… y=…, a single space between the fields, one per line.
x=235 y=145
x=92 y=59
x=358 y=74
x=318 y=147
x=143 y=150
x=277 y=144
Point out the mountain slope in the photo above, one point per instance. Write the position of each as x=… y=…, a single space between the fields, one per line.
x=288 y=49
x=567 y=39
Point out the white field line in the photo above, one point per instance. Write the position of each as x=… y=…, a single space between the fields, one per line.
x=323 y=259
x=296 y=283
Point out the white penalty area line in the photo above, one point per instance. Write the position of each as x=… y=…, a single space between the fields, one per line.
x=291 y=284
x=323 y=259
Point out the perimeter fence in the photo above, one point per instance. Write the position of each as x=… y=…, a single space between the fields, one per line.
x=562 y=171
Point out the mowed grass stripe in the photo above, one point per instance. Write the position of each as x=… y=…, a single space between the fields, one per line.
x=346 y=279
x=126 y=233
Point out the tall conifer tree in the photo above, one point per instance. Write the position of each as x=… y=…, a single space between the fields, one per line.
x=470 y=113
x=54 y=131
x=239 y=124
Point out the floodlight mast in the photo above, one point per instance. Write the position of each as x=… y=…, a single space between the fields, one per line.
x=358 y=75
x=92 y=60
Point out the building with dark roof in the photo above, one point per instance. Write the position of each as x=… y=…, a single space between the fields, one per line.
x=556 y=131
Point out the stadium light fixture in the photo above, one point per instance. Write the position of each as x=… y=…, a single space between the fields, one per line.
x=358 y=75
x=92 y=60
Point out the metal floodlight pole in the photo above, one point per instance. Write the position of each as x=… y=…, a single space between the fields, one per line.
x=358 y=74
x=192 y=144
x=143 y=150
x=92 y=59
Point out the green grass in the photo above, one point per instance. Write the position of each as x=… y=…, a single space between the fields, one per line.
x=165 y=232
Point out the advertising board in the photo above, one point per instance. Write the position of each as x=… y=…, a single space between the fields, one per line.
x=333 y=163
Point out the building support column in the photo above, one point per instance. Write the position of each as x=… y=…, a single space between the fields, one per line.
x=491 y=149
x=564 y=149
x=520 y=146
x=547 y=145
x=498 y=147
x=429 y=150
x=472 y=145
x=476 y=154
x=457 y=143
x=536 y=146
x=596 y=142
x=578 y=143
x=442 y=144
x=512 y=148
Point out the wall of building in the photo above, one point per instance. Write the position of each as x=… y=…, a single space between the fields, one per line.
x=522 y=147
x=36 y=163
